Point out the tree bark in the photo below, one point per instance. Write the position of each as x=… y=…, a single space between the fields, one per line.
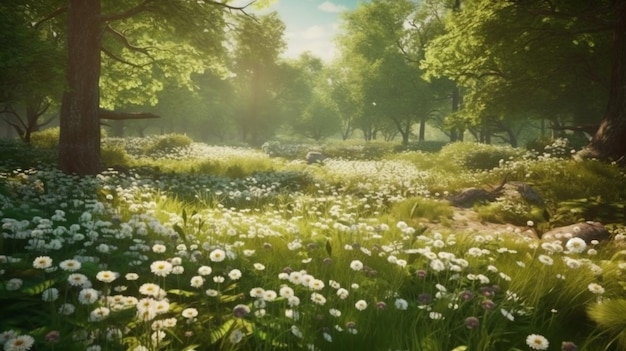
x=79 y=140
x=609 y=142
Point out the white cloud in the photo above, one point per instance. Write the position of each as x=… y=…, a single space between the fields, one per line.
x=317 y=39
x=328 y=6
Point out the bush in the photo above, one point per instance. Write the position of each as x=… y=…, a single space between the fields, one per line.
x=47 y=139
x=424 y=146
x=477 y=157
x=114 y=156
x=169 y=142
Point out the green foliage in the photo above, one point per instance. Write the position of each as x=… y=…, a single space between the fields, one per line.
x=476 y=157
x=114 y=156
x=358 y=150
x=47 y=139
x=167 y=143
x=423 y=146
x=414 y=210
x=611 y=316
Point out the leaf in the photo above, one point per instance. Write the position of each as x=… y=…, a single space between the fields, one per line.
x=181 y=292
x=221 y=331
x=39 y=288
x=180 y=232
x=184 y=217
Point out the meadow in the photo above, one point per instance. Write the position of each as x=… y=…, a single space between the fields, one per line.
x=185 y=246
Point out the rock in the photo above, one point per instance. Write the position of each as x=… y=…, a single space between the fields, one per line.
x=587 y=231
x=314 y=157
x=468 y=197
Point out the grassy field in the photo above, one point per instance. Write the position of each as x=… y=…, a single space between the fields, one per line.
x=185 y=246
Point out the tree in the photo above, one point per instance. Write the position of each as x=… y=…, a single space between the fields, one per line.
x=92 y=32
x=258 y=43
x=31 y=67
x=376 y=48
x=520 y=60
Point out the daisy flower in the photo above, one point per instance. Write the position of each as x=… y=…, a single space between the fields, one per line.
x=537 y=342
x=70 y=265
x=42 y=262
x=106 y=276
x=161 y=268
x=360 y=305
x=576 y=245
x=19 y=343
x=596 y=288
x=190 y=313
x=217 y=255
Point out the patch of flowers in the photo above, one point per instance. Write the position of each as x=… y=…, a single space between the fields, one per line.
x=113 y=262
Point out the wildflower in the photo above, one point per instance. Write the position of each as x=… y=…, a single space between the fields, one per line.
x=149 y=289
x=66 y=309
x=257 y=292
x=212 y=292
x=87 y=296
x=99 y=314
x=316 y=284
x=318 y=298
x=356 y=265
x=196 y=281
x=437 y=265
x=19 y=343
x=342 y=293
x=158 y=248
x=471 y=322
x=259 y=266
x=106 y=276
x=327 y=337
x=334 y=312
x=537 y=342
x=53 y=336
x=401 y=304
x=161 y=268
x=50 y=294
x=70 y=265
x=131 y=276
x=241 y=311
x=435 y=315
x=568 y=346
x=596 y=288
x=547 y=260
x=42 y=262
x=14 y=284
x=205 y=270
x=286 y=292
x=293 y=301
x=269 y=295
x=507 y=314
x=234 y=274
x=360 y=305
x=576 y=245
x=217 y=255
x=381 y=305
x=218 y=279
x=259 y=313
x=236 y=336
x=190 y=313
x=78 y=279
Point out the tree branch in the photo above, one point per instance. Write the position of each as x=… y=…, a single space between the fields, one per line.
x=118 y=116
x=121 y=60
x=52 y=15
x=128 y=13
x=121 y=37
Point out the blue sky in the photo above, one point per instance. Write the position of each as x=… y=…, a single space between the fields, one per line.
x=311 y=24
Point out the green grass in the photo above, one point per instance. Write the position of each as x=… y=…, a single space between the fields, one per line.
x=341 y=250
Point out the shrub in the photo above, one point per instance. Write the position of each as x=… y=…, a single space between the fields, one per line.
x=424 y=146
x=475 y=156
x=114 y=156
x=169 y=142
x=47 y=139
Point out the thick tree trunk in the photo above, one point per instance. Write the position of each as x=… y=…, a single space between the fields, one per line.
x=79 y=142
x=609 y=142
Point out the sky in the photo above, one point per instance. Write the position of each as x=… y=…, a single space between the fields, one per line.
x=311 y=25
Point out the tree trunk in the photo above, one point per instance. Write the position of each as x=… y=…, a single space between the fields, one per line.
x=609 y=142
x=79 y=141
